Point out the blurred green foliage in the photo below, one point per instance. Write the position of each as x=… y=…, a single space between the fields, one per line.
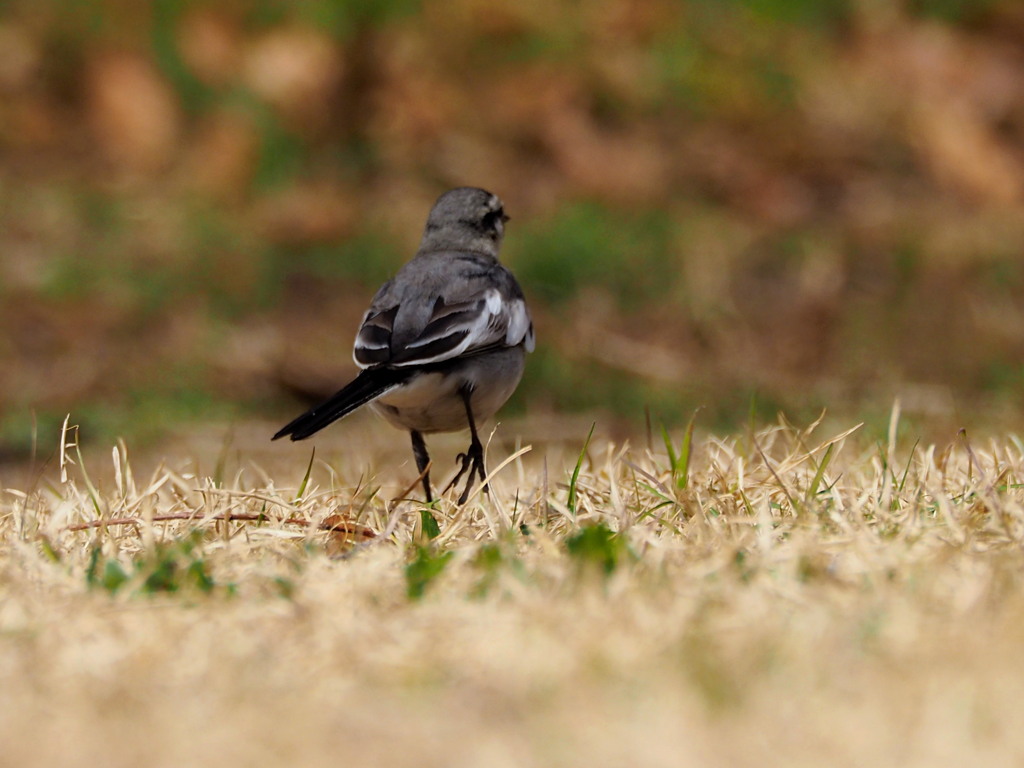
x=176 y=566
x=588 y=245
x=598 y=546
x=426 y=565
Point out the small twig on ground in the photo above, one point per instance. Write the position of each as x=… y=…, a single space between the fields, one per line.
x=329 y=524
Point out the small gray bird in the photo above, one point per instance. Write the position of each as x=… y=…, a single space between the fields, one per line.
x=444 y=342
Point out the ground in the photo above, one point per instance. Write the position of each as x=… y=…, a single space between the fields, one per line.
x=805 y=596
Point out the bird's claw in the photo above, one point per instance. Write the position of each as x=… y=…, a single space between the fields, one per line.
x=473 y=461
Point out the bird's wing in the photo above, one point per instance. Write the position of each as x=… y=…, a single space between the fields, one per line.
x=442 y=311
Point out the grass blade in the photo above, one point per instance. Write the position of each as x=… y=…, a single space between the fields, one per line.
x=571 y=503
x=94 y=495
x=305 y=478
x=63 y=450
x=681 y=469
x=906 y=470
x=669 y=449
x=819 y=474
x=431 y=529
x=222 y=459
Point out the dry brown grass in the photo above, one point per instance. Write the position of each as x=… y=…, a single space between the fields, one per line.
x=756 y=616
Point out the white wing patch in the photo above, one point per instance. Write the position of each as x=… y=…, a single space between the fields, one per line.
x=493 y=302
x=520 y=327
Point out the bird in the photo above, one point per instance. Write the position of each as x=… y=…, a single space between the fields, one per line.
x=443 y=345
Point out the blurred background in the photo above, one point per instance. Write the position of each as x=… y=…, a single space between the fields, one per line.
x=739 y=205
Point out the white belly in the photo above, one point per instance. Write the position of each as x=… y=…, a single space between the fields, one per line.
x=432 y=402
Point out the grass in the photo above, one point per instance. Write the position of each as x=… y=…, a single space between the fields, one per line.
x=822 y=598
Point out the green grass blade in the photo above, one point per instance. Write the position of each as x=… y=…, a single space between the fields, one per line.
x=305 y=478
x=430 y=527
x=669 y=449
x=819 y=474
x=746 y=504
x=681 y=469
x=92 y=569
x=571 y=503
x=906 y=469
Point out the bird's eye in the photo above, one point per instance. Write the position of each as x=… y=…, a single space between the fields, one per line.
x=493 y=219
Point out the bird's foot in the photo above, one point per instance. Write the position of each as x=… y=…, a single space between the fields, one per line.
x=473 y=462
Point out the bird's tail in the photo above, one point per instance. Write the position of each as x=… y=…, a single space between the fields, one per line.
x=367 y=386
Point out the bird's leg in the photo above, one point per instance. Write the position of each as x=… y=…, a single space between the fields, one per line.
x=419 y=450
x=473 y=459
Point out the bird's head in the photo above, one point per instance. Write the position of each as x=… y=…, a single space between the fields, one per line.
x=465 y=219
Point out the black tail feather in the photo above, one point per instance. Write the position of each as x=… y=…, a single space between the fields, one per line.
x=368 y=385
